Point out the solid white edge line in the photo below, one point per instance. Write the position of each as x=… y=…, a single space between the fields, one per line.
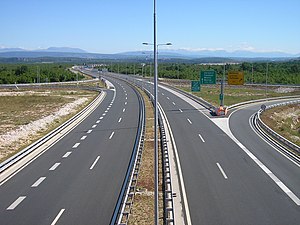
x=201 y=138
x=58 y=216
x=189 y=121
x=222 y=171
x=112 y=134
x=16 y=203
x=67 y=154
x=76 y=145
x=38 y=182
x=83 y=137
x=54 y=166
x=98 y=157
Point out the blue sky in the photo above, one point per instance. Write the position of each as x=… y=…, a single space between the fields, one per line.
x=112 y=26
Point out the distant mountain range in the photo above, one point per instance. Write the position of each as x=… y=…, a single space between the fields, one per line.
x=68 y=52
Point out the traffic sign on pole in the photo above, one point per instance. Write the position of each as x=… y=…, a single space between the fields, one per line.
x=208 y=77
x=235 y=78
x=195 y=85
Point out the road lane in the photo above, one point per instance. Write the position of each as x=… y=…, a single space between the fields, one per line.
x=88 y=196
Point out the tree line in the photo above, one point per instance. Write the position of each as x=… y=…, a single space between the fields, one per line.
x=36 y=73
x=276 y=72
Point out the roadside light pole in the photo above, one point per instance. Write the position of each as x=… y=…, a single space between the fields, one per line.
x=155 y=116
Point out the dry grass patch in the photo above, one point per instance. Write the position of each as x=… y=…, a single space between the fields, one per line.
x=26 y=116
x=285 y=121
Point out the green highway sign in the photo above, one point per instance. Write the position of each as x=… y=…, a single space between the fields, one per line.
x=208 y=77
x=195 y=85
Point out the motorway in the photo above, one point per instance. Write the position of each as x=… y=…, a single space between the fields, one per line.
x=77 y=180
x=224 y=182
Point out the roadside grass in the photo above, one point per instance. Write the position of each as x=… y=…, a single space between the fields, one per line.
x=235 y=94
x=284 y=120
x=22 y=107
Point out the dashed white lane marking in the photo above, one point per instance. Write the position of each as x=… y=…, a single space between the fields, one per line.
x=67 y=154
x=98 y=121
x=16 y=203
x=173 y=103
x=168 y=98
x=120 y=120
x=103 y=114
x=124 y=110
x=106 y=111
x=58 y=216
x=180 y=110
x=162 y=93
x=101 y=118
x=94 y=162
x=126 y=98
x=89 y=131
x=38 y=182
x=201 y=138
x=222 y=171
x=83 y=137
x=94 y=126
x=125 y=103
x=54 y=166
x=76 y=145
x=112 y=134
x=189 y=121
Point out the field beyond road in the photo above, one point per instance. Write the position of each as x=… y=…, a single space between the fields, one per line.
x=27 y=115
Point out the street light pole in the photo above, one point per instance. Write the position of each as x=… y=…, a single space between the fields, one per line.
x=155 y=117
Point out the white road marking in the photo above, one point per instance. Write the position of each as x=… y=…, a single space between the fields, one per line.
x=112 y=134
x=173 y=103
x=189 y=121
x=162 y=93
x=103 y=114
x=54 y=166
x=76 y=145
x=101 y=118
x=126 y=98
x=168 y=98
x=94 y=162
x=94 y=126
x=98 y=121
x=16 y=203
x=89 y=131
x=180 y=110
x=83 y=137
x=125 y=103
x=38 y=182
x=124 y=110
x=201 y=137
x=222 y=171
x=67 y=154
x=120 y=120
x=106 y=111
x=58 y=216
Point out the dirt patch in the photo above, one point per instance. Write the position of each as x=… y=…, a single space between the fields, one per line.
x=285 y=121
x=26 y=116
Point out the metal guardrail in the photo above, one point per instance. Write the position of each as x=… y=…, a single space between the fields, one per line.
x=167 y=182
x=288 y=144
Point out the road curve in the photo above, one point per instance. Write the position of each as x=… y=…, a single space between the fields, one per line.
x=78 y=180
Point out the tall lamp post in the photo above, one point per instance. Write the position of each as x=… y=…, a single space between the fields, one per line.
x=155 y=116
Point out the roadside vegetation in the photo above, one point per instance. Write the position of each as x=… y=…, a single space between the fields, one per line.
x=27 y=115
x=287 y=72
x=36 y=73
x=284 y=120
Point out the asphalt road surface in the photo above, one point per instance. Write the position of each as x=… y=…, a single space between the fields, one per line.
x=78 y=180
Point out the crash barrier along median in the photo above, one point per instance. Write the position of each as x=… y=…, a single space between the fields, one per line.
x=288 y=144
